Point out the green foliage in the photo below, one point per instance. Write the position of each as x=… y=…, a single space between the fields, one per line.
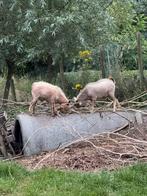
x=61 y=28
x=129 y=181
x=10 y=41
x=127 y=26
x=33 y=30
x=36 y=29
x=128 y=21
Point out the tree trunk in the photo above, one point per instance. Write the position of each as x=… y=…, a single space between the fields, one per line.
x=102 y=62
x=50 y=71
x=140 y=64
x=10 y=67
x=13 y=89
x=52 y=4
x=61 y=66
x=109 y=68
x=117 y=62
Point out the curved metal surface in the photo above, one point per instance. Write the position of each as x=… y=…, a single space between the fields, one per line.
x=42 y=133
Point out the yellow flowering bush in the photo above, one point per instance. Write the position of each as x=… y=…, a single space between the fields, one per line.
x=85 y=54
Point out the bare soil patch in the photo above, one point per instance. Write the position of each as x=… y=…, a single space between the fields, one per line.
x=104 y=151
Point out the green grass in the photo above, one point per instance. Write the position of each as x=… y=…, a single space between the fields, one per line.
x=15 y=180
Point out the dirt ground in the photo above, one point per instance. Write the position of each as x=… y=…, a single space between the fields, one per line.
x=101 y=152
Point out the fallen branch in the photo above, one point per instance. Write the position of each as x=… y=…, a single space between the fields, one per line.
x=119 y=129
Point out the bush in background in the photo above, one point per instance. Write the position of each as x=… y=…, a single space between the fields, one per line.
x=126 y=87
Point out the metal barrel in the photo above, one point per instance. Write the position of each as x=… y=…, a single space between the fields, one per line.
x=42 y=133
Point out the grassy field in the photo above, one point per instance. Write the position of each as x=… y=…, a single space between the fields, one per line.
x=15 y=180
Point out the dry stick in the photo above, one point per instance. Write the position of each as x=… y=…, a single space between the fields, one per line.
x=121 y=128
x=138 y=102
x=135 y=148
x=136 y=97
x=128 y=144
x=13 y=158
x=14 y=102
x=124 y=154
x=121 y=154
x=139 y=96
x=114 y=153
x=108 y=102
x=130 y=138
x=72 y=110
x=139 y=131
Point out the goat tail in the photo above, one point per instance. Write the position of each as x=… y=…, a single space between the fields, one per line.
x=111 y=78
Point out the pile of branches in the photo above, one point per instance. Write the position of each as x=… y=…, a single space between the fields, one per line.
x=138 y=101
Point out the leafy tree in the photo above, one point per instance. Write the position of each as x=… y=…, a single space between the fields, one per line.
x=9 y=41
x=128 y=22
x=59 y=29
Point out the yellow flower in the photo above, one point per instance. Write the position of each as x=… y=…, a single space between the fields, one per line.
x=85 y=53
x=78 y=87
